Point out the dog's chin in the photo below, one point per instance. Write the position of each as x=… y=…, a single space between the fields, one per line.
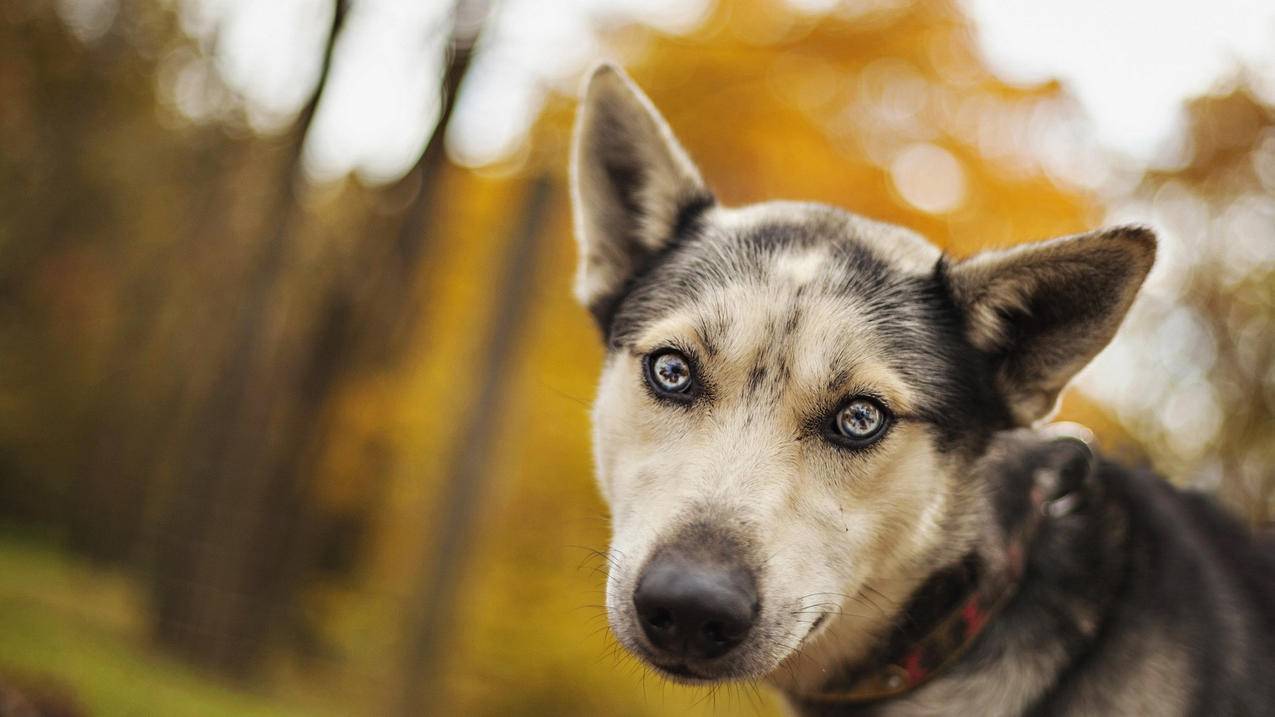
x=692 y=672
x=735 y=667
x=731 y=667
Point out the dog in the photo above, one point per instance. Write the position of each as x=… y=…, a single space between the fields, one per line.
x=815 y=434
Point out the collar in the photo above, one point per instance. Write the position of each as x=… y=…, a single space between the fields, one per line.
x=959 y=603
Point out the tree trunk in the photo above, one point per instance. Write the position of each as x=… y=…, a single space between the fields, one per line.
x=211 y=556
x=242 y=529
x=113 y=486
x=432 y=605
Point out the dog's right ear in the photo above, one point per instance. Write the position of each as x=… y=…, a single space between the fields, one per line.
x=1042 y=311
x=632 y=186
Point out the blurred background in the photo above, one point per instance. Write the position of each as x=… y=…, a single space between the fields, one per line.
x=293 y=394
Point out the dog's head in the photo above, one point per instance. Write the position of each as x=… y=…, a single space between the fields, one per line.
x=793 y=396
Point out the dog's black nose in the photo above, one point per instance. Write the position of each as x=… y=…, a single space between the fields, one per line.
x=688 y=609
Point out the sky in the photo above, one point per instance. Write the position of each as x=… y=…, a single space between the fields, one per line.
x=381 y=104
x=1131 y=64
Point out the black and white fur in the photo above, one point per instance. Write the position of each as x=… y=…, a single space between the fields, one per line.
x=1144 y=601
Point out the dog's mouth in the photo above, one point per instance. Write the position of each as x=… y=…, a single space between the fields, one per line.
x=815 y=626
x=691 y=671
x=678 y=671
x=810 y=632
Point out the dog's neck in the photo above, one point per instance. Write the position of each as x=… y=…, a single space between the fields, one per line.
x=959 y=620
x=942 y=618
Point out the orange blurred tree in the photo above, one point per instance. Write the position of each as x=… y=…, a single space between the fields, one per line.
x=1201 y=342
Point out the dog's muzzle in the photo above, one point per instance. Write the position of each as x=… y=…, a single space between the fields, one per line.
x=692 y=609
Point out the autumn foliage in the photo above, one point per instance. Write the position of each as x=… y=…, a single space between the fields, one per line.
x=335 y=437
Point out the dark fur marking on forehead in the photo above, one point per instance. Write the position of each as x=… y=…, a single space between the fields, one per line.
x=711 y=332
x=710 y=257
x=793 y=320
x=769 y=372
x=756 y=375
x=782 y=374
x=830 y=229
x=839 y=377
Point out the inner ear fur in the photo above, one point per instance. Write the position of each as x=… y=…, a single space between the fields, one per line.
x=633 y=187
x=1043 y=311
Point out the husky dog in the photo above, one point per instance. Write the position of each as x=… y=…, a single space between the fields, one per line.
x=810 y=430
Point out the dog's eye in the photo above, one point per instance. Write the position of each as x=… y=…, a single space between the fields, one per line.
x=860 y=422
x=669 y=373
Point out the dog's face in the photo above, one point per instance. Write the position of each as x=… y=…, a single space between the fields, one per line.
x=793 y=397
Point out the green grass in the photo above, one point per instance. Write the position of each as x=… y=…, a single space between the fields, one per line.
x=67 y=624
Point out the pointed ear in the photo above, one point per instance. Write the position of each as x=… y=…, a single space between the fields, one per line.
x=1043 y=311
x=632 y=186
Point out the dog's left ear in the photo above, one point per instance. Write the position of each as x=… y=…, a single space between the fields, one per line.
x=1043 y=311
x=632 y=185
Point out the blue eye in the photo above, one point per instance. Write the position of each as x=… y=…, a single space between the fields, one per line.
x=669 y=373
x=860 y=422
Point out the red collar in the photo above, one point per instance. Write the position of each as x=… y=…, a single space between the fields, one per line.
x=902 y=669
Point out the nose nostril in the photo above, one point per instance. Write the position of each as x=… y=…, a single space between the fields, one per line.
x=715 y=632
x=660 y=619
